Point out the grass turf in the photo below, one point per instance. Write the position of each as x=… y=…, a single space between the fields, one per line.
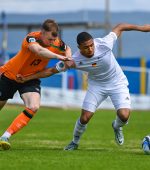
x=40 y=144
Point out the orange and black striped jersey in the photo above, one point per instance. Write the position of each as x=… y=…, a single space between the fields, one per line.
x=26 y=62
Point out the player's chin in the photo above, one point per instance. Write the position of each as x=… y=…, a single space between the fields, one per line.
x=89 y=55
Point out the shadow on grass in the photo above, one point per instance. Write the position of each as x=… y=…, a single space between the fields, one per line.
x=122 y=151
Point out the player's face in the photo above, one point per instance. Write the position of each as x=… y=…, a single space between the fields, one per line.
x=49 y=37
x=87 y=48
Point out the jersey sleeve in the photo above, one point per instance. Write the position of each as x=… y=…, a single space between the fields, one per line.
x=109 y=40
x=28 y=41
x=31 y=40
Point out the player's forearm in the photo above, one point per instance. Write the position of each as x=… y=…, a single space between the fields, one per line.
x=42 y=74
x=48 y=72
x=144 y=28
x=44 y=52
x=130 y=27
x=48 y=54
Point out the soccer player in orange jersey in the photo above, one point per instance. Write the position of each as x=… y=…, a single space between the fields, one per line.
x=36 y=51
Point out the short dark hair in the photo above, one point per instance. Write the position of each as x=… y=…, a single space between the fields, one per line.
x=49 y=25
x=82 y=37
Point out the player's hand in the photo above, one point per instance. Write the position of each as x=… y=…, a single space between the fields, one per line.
x=69 y=64
x=64 y=58
x=146 y=28
x=20 y=78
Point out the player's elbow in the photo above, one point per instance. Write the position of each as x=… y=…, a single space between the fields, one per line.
x=126 y=27
x=118 y=29
x=120 y=26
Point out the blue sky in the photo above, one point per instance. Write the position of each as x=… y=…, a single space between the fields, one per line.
x=50 y=6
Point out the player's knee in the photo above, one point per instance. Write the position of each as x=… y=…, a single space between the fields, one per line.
x=85 y=116
x=124 y=115
x=124 y=118
x=34 y=108
x=84 y=119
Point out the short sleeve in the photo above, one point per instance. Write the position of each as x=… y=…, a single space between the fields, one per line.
x=28 y=41
x=109 y=40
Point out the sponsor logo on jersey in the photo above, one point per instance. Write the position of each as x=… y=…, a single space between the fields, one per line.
x=32 y=40
x=127 y=98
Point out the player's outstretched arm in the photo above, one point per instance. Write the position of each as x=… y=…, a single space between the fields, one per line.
x=43 y=52
x=118 y=29
x=60 y=66
x=42 y=74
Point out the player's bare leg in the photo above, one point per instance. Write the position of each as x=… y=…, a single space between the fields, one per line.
x=32 y=102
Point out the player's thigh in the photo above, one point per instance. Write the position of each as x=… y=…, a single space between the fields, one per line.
x=30 y=94
x=121 y=98
x=93 y=98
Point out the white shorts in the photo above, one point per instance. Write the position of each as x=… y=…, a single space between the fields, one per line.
x=95 y=95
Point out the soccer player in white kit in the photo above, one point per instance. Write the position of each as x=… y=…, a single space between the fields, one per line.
x=105 y=78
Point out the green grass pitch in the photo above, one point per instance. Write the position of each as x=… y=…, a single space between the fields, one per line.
x=39 y=146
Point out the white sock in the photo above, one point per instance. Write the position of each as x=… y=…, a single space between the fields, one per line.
x=6 y=135
x=118 y=123
x=78 y=131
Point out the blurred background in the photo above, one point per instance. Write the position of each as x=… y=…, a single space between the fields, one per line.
x=132 y=50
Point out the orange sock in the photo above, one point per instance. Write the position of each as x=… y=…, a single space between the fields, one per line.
x=21 y=120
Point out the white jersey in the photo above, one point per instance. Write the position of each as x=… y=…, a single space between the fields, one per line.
x=102 y=67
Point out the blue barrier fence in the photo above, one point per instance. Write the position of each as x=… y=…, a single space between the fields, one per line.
x=74 y=78
x=134 y=78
